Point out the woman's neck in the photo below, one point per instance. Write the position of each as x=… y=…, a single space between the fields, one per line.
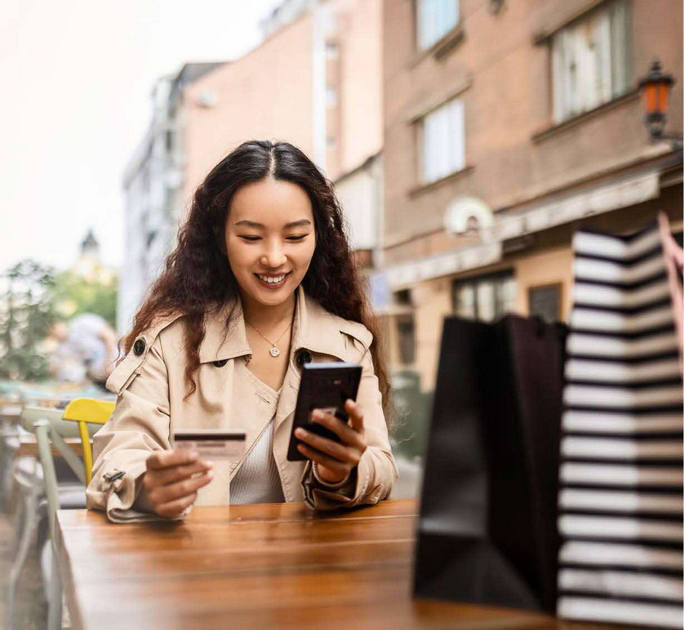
x=268 y=317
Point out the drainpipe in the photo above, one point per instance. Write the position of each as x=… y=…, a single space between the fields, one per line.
x=318 y=83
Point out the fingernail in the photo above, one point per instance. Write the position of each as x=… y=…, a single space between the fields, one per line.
x=210 y=465
x=317 y=414
x=300 y=433
x=210 y=475
x=193 y=456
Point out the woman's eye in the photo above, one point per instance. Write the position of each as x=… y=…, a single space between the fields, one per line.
x=289 y=238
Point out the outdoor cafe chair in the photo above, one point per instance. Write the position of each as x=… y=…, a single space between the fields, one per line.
x=82 y=418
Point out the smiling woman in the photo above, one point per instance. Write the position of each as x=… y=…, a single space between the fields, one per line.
x=261 y=282
x=263 y=242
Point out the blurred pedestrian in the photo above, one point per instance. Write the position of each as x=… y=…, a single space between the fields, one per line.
x=86 y=351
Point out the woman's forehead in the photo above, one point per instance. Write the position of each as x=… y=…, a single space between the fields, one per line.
x=270 y=202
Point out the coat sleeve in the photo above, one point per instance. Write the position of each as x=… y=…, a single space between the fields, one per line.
x=138 y=426
x=374 y=477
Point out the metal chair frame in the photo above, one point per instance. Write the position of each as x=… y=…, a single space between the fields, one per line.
x=82 y=418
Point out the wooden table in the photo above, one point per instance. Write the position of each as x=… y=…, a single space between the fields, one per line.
x=260 y=566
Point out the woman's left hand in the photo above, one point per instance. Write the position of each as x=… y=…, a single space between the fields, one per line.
x=334 y=461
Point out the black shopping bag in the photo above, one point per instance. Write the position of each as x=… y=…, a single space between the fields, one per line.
x=487 y=532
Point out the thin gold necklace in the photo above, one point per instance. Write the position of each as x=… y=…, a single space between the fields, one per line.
x=274 y=352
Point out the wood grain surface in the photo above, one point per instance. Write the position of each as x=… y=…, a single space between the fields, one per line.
x=260 y=566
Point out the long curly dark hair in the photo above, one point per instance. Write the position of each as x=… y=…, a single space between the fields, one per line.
x=197 y=277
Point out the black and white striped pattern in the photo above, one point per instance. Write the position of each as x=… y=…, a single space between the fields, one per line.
x=621 y=479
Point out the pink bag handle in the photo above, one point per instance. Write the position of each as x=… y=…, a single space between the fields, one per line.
x=674 y=259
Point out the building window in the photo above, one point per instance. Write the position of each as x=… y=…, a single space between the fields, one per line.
x=403 y=297
x=331 y=96
x=590 y=60
x=332 y=50
x=407 y=338
x=435 y=18
x=406 y=327
x=485 y=298
x=545 y=302
x=442 y=134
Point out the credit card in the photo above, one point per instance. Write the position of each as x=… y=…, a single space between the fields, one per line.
x=212 y=444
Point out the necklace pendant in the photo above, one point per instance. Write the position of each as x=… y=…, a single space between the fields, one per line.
x=274 y=351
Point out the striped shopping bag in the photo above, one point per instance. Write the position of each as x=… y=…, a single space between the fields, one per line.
x=620 y=497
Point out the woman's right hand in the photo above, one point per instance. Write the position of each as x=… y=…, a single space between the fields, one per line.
x=172 y=480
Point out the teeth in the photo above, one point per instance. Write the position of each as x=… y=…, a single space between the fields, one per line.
x=271 y=280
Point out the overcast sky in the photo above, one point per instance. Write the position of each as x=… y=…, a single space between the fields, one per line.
x=77 y=76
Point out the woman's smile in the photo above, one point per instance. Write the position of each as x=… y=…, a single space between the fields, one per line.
x=272 y=282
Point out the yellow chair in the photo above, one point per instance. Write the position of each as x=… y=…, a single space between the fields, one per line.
x=87 y=411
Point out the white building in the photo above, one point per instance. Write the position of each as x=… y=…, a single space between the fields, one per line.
x=152 y=185
x=326 y=98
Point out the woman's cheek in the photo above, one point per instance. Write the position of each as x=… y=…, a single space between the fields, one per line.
x=239 y=252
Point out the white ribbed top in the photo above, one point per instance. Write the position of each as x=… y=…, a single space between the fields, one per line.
x=258 y=480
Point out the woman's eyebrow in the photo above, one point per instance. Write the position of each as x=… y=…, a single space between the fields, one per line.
x=292 y=224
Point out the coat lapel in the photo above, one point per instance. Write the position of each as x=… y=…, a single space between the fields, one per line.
x=315 y=330
x=222 y=342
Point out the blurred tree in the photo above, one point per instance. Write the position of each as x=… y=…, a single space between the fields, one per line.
x=73 y=294
x=26 y=314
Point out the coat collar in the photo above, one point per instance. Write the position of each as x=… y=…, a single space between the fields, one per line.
x=314 y=329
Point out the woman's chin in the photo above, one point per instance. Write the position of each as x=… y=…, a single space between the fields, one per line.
x=272 y=297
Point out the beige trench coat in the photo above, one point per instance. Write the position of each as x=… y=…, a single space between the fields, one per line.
x=150 y=383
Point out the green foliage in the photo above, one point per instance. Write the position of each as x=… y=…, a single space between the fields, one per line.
x=26 y=314
x=74 y=295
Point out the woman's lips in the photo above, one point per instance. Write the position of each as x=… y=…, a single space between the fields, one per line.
x=273 y=285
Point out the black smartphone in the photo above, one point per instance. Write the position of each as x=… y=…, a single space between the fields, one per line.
x=323 y=386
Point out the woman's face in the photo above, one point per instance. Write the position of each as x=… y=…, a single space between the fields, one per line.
x=269 y=234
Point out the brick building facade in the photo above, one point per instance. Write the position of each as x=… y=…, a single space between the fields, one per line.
x=508 y=124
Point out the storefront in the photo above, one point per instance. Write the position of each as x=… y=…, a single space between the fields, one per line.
x=522 y=262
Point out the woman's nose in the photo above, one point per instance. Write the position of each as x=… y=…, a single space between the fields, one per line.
x=273 y=257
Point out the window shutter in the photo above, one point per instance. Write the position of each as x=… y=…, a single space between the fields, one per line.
x=456 y=136
x=619 y=47
x=443 y=141
x=590 y=61
x=559 y=78
x=435 y=19
x=602 y=45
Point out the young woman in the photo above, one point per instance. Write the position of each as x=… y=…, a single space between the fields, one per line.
x=262 y=281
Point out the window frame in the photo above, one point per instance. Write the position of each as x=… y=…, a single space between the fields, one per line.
x=562 y=110
x=558 y=287
x=460 y=153
x=406 y=344
x=496 y=276
x=417 y=45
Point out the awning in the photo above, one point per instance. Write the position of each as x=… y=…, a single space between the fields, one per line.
x=618 y=193
x=579 y=205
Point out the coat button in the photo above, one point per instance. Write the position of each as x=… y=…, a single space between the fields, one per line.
x=139 y=347
x=303 y=357
x=221 y=363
